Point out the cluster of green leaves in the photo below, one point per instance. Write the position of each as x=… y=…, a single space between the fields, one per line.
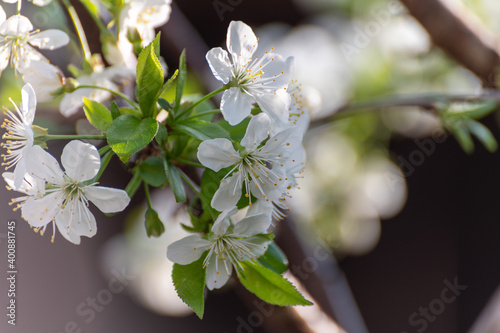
x=156 y=146
x=461 y=121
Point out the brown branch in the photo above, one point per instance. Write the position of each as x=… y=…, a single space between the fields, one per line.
x=460 y=34
x=429 y=103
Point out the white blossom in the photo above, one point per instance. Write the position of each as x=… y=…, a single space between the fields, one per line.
x=39 y=3
x=252 y=78
x=31 y=187
x=19 y=134
x=46 y=79
x=72 y=102
x=259 y=167
x=227 y=246
x=68 y=192
x=17 y=41
x=145 y=16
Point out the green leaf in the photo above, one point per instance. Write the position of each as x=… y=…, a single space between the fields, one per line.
x=162 y=135
x=128 y=135
x=181 y=81
x=175 y=181
x=210 y=182
x=132 y=112
x=270 y=286
x=164 y=104
x=152 y=171
x=237 y=132
x=115 y=110
x=133 y=184
x=200 y=110
x=483 y=134
x=149 y=78
x=154 y=226
x=462 y=135
x=202 y=130
x=169 y=82
x=189 y=282
x=471 y=110
x=274 y=259
x=97 y=114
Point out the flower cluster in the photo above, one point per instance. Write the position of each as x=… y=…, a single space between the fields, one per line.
x=50 y=194
x=250 y=158
x=261 y=167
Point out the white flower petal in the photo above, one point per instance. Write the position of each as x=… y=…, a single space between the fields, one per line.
x=44 y=79
x=217 y=154
x=187 y=250
x=253 y=225
x=241 y=40
x=42 y=165
x=41 y=3
x=258 y=246
x=81 y=160
x=235 y=105
x=16 y=25
x=9 y=1
x=222 y=223
x=3 y=16
x=278 y=71
x=75 y=221
x=217 y=272
x=39 y=212
x=19 y=174
x=228 y=194
x=257 y=130
x=28 y=104
x=107 y=199
x=274 y=106
x=220 y=65
x=49 y=39
x=4 y=57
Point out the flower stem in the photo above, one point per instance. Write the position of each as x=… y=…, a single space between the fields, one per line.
x=102 y=28
x=117 y=93
x=73 y=136
x=104 y=150
x=203 y=99
x=79 y=30
x=188 y=162
x=104 y=163
x=188 y=181
x=204 y=113
x=148 y=197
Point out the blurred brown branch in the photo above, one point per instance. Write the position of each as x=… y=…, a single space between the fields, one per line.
x=460 y=34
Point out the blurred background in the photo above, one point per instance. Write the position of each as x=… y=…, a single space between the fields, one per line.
x=394 y=229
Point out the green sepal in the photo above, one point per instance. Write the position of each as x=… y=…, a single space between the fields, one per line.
x=154 y=226
x=152 y=171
